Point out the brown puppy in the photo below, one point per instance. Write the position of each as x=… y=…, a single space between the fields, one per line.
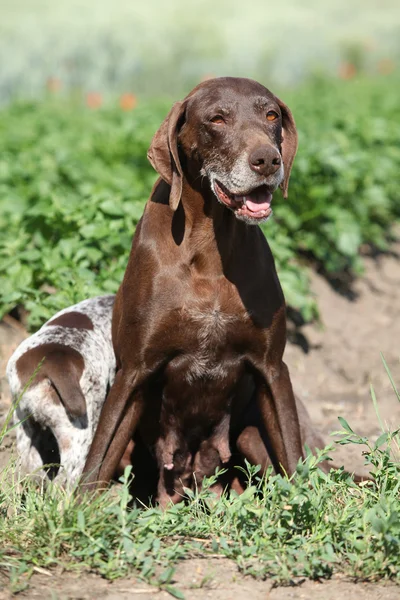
x=166 y=483
x=186 y=469
x=248 y=441
x=199 y=321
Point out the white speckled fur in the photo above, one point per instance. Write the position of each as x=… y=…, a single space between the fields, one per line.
x=240 y=178
x=38 y=402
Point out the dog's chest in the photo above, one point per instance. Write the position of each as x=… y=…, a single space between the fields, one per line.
x=209 y=332
x=209 y=325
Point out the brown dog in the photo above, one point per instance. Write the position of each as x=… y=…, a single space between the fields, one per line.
x=199 y=324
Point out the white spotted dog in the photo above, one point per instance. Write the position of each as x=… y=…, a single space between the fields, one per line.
x=61 y=406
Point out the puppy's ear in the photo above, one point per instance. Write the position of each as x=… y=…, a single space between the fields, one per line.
x=163 y=152
x=289 y=144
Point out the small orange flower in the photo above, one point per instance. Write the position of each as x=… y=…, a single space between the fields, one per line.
x=128 y=101
x=347 y=70
x=94 y=100
x=53 y=84
x=386 y=66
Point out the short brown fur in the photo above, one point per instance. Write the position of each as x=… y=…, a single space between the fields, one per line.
x=199 y=323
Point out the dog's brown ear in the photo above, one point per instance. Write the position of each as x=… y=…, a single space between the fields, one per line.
x=289 y=144
x=163 y=152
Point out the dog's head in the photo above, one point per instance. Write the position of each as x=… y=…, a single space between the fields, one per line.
x=235 y=133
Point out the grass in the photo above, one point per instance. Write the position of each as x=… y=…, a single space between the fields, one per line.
x=311 y=526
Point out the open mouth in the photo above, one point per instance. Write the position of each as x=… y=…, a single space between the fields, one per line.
x=255 y=204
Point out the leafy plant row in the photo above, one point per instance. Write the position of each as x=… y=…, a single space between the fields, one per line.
x=73 y=183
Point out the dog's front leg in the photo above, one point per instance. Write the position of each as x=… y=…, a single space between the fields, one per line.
x=123 y=435
x=279 y=414
x=121 y=413
x=251 y=446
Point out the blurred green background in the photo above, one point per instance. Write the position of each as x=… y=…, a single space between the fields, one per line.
x=158 y=47
x=84 y=86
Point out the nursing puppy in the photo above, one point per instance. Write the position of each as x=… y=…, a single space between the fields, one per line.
x=231 y=444
x=60 y=408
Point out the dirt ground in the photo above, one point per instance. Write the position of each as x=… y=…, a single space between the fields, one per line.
x=332 y=370
x=202 y=579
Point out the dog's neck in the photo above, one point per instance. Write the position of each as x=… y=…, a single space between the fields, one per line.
x=207 y=232
x=211 y=227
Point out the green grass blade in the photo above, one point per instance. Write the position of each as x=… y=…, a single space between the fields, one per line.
x=375 y=403
x=6 y=429
x=390 y=377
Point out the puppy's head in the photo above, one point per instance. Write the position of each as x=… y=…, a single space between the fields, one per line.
x=235 y=134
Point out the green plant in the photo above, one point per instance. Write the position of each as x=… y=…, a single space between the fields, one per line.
x=73 y=183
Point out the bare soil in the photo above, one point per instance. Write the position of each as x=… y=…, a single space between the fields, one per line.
x=343 y=355
x=201 y=579
x=332 y=370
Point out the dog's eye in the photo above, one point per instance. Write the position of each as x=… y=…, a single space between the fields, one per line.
x=271 y=115
x=218 y=120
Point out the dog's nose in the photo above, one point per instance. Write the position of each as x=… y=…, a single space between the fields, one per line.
x=265 y=160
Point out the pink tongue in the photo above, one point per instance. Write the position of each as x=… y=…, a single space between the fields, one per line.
x=258 y=201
